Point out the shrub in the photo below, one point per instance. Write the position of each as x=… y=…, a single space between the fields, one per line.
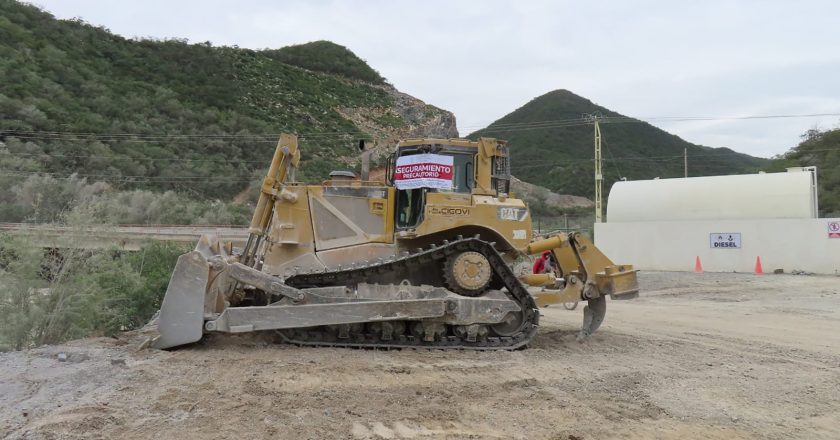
x=51 y=295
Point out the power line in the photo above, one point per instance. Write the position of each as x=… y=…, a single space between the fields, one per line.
x=338 y=135
x=735 y=118
x=143 y=136
x=129 y=158
x=614 y=162
x=652 y=159
x=535 y=123
x=150 y=179
x=165 y=135
x=612 y=158
x=524 y=127
x=621 y=119
x=266 y=140
x=244 y=178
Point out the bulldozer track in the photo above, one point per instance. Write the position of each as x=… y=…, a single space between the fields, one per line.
x=319 y=336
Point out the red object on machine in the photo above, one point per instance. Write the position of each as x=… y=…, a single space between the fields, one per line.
x=539 y=265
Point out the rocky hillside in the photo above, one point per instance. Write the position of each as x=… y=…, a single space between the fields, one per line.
x=559 y=155
x=540 y=196
x=407 y=117
x=170 y=115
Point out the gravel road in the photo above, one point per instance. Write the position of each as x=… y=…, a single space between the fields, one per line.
x=711 y=356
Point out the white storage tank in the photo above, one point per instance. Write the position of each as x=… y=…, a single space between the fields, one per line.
x=791 y=194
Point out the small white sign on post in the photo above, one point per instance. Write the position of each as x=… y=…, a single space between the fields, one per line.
x=725 y=240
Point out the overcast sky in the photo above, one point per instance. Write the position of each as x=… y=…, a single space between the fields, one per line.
x=482 y=59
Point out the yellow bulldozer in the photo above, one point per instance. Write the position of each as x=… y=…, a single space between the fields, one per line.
x=420 y=258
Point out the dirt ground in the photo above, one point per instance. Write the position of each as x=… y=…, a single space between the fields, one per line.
x=712 y=356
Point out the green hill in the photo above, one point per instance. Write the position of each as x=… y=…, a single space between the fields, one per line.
x=822 y=150
x=327 y=57
x=560 y=155
x=168 y=115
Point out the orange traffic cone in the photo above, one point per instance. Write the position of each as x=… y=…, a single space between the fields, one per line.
x=697 y=266
x=758 y=270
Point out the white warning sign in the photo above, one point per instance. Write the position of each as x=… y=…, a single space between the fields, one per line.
x=725 y=240
x=424 y=170
x=833 y=229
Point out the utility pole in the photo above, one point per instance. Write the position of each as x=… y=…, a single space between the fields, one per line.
x=685 y=160
x=599 y=176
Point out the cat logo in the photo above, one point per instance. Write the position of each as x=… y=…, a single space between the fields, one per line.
x=449 y=211
x=514 y=214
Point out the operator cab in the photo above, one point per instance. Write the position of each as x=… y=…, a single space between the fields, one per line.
x=410 y=202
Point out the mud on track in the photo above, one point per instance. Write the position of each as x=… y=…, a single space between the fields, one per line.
x=720 y=356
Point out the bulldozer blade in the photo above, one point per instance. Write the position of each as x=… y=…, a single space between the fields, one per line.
x=181 y=318
x=593 y=316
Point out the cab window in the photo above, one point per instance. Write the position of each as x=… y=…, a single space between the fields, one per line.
x=463 y=172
